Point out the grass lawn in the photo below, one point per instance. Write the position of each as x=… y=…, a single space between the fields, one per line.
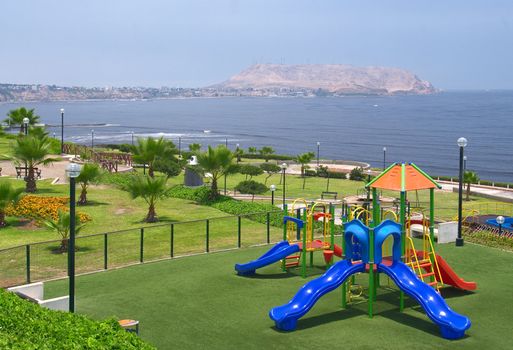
x=199 y=301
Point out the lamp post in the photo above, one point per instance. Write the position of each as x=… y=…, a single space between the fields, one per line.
x=226 y=142
x=237 y=153
x=273 y=188
x=464 y=164
x=132 y=134
x=318 y=152
x=384 y=157
x=283 y=167
x=72 y=171
x=368 y=189
x=92 y=139
x=500 y=220
x=462 y=143
x=26 y=122
x=180 y=147
x=62 y=130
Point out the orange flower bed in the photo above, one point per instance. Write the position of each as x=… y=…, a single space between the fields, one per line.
x=42 y=208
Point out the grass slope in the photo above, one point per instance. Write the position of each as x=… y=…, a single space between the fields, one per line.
x=198 y=302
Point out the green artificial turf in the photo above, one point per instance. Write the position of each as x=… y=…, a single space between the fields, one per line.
x=199 y=302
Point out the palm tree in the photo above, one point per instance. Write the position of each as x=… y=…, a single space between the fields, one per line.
x=195 y=148
x=304 y=159
x=147 y=151
x=90 y=174
x=151 y=189
x=62 y=227
x=32 y=151
x=252 y=150
x=16 y=116
x=218 y=162
x=8 y=195
x=266 y=151
x=470 y=177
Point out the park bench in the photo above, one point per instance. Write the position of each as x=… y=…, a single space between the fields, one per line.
x=22 y=171
x=329 y=195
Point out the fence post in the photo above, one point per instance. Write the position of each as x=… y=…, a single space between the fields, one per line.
x=268 y=219
x=207 y=238
x=105 y=252
x=27 y=251
x=239 y=229
x=141 y=258
x=172 y=241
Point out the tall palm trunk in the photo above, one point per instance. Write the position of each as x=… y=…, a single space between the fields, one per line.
x=213 y=188
x=468 y=192
x=30 y=179
x=152 y=215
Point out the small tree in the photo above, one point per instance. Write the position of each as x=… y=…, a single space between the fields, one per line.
x=239 y=152
x=15 y=117
x=218 y=162
x=469 y=177
x=170 y=167
x=252 y=150
x=62 y=227
x=266 y=152
x=270 y=169
x=250 y=170
x=8 y=196
x=151 y=189
x=90 y=173
x=251 y=187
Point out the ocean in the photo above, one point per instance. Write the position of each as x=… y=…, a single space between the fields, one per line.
x=418 y=129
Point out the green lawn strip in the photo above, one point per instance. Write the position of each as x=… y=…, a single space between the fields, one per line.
x=200 y=302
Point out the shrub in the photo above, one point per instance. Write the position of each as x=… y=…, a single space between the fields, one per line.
x=24 y=325
x=168 y=167
x=199 y=194
x=357 y=174
x=251 y=187
x=270 y=156
x=42 y=208
x=116 y=179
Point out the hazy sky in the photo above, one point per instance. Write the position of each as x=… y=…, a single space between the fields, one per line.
x=457 y=44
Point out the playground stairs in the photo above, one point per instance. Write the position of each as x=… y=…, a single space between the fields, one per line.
x=424 y=270
x=292 y=260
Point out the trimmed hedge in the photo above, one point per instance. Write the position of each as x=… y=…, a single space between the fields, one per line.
x=270 y=156
x=24 y=325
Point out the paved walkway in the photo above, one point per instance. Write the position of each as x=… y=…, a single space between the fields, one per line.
x=498 y=193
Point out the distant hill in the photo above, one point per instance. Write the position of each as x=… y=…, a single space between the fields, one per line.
x=333 y=79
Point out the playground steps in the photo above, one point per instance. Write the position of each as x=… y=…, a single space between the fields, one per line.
x=426 y=274
x=292 y=260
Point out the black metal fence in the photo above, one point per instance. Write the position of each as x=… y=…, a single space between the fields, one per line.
x=46 y=260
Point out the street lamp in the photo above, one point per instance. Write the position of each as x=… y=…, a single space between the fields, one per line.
x=92 y=139
x=72 y=171
x=237 y=153
x=500 y=220
x=462 y=143
x=226 y=142
x=132 y=134
x=273 y=188
x=283 y=167
x=180 y=147
x=318 y=151
x=464 y=164
x=25 y=125
x=62 y=130
x=384 y=157
x=368 y=189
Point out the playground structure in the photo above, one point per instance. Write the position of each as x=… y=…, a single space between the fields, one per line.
x=299 y=241
x=370 y=259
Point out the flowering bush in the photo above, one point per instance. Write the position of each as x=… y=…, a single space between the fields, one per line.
x=41 y=208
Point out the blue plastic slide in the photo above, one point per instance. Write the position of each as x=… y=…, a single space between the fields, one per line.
x=279 y=251
x=286 y=316
x=452 y=325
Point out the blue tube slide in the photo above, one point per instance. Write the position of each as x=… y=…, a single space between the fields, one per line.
x=286 y=316
x=279 y=251
x=452 y=325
